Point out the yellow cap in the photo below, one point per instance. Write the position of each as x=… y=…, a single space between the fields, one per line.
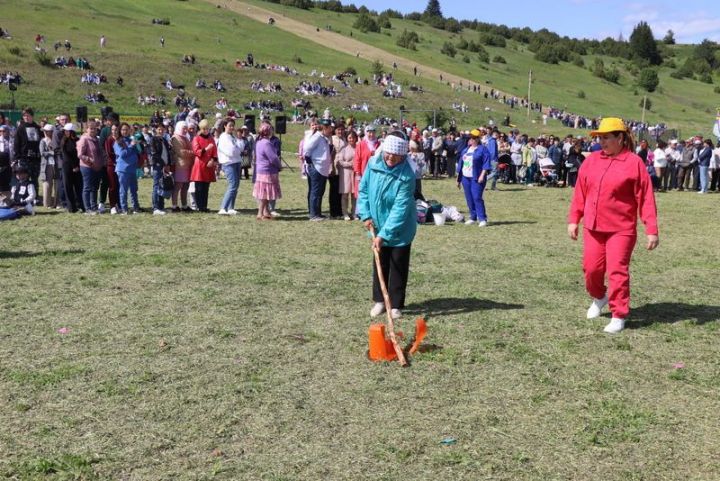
x=475 y=133
x=609 y=124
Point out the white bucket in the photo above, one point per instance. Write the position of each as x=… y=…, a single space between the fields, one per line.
x=439 y=218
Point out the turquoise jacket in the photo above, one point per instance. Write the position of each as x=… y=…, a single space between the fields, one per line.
x=387 y=197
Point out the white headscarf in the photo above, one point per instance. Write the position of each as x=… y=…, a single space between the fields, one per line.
x=179 y=127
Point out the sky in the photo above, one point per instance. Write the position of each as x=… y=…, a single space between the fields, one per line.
x=690 y=20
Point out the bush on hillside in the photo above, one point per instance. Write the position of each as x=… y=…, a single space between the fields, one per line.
x=646 y=102
x=365 y=23
x=465 y=59
x=350 y=70
x=648 y=79
x=304 y=4
x=377 y=68
x=390 y=13
x=499 y=59
x=15 y=51
x=448 y=49
x=452 y=25
x=384 y=22
x=408 y=40
x=706 y=78
x=330 y=5
x=43 y=59
x=581 y=94
x=484 y=56
x=716 y=90
x=492 y=40
x=643 y=45
x=462 y=44
x=547 y=54
x=612 y=75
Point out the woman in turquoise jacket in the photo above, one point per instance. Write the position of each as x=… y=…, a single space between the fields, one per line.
x=386 y=203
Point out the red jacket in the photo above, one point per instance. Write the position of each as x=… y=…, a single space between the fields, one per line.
x=200 y=171
x=362 y=155
x=611 y=191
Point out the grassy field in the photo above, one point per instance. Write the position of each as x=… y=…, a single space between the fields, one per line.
x=216 y=37
x=685 y=104
x=200 y=347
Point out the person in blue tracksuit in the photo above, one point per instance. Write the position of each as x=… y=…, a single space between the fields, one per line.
x=126 y=163
x=386 y=203
x=473 y=168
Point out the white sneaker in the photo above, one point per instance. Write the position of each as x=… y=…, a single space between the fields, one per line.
x=222 y=212
x=101 y=208
x=482 y=223
x=158 y=212
x=616 y=325
x=395 y=313
x=274 y=213
x=596 y=307
x=469 y=222
x=232 y=212
x=377 y=309
x=113 y=211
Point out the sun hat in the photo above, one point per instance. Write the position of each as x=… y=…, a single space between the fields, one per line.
x=69 y=126
x=395 y=145
x=609 y=124
x=48 y=128
x=475 y=133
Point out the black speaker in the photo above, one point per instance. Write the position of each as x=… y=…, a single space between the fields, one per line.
x=280 y=124
x=81 y=114
x=250 y=123
x=105 y=111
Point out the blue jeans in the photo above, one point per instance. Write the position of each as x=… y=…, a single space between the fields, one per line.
x=474 y=198
x=232 y=173
x=704 y=178
x=128 y=180
x=91 y=183
x=158 y=200
x=493 y=174
x=316 y=190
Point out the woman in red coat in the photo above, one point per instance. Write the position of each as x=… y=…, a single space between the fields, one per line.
x=612 y=189
x=365 y=149
x=203 y=170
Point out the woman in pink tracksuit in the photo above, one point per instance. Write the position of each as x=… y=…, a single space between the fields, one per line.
x=613 y=188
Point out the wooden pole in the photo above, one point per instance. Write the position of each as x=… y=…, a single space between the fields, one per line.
x=529 y=87
x=644 y=105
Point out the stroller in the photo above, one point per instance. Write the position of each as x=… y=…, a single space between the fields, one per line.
x=548 y=172
x=504 y=168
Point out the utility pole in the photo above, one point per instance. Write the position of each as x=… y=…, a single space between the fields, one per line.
x=529 y=87
x=644 y=105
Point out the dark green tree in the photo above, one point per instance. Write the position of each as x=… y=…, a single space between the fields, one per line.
x=648 y=79
x=433 y=9
x=669 y=38
x=643 y=45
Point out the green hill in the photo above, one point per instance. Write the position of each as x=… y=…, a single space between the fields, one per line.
x=217 y=36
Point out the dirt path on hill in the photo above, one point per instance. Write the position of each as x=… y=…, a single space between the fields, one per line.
x=341 y=43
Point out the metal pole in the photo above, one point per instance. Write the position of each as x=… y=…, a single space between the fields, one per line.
x=529 y=87
x=435 y=119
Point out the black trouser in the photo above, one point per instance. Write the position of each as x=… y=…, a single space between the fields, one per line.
x=395 y=262
x=202 y=189
x=73 y=188
x=104 y=185
x=33 y=167
x=696 y=176
x=561 y=172
x=715 y=179
x=334 y=197
x=451 y=163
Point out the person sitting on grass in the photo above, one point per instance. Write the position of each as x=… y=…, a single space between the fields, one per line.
x=23 y=192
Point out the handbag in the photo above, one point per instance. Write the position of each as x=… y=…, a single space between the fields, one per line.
x=167 y=185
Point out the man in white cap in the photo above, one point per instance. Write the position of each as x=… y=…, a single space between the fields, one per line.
x=436 y=150
x=673 y=156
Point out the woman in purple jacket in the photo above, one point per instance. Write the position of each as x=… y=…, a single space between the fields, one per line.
x=267 y=168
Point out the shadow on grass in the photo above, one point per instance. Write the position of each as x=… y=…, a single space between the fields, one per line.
x=671 y=312
x=50 y=253
x=447 y=306
x=510 y=222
